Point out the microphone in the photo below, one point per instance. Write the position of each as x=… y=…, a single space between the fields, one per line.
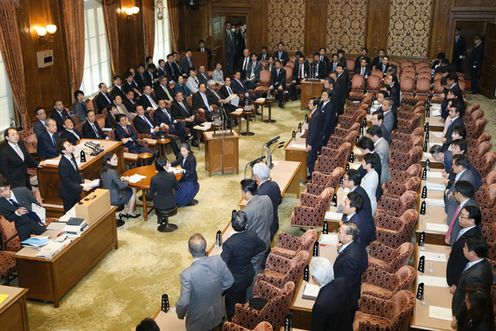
x=258 y=159
x=273 y=140
x=281 y=145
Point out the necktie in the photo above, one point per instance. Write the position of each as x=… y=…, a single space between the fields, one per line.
x=53 y=140
x=167 y=114
x=147 y=121
x=452 y=223
x=184 y=107
x=205 y=101
x=15 y=204
x=363 y=72
x=167 y=92
x=19 y=151
x=189 y=62
x=74 y=163
x=152 y=102
x=125 y=129
x=300 y=76
x=95 y=130
x=106 y=97
x=229 y=91
x=245 y=64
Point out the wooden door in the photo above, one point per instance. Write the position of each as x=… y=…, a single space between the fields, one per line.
x=218 y=41
x=488 y=72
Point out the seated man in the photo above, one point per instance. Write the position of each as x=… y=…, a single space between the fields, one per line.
x=91 y=129
x=147 y=100
x=127 y=134
x=181 y=112
x=300 y=72
x=253 y=72
x=47 y=141
x=163 y=118
x=16 y=206
x=70 y=133
x=39 y=124
x=201 y=103
x=59 y=114
x=278 y=82
x=202 y=286
x=203 y=76
x=162 y=91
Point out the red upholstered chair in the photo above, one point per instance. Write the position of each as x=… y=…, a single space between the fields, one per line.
x=373 y=83
x=479 y=151
x=380 y=314
x=402 y=161
x=486 y=196
x=10 y=239
x=490 y=178
x=408 y=125
x=274 y=311
x=423 y=89
x=350 y=65
x=407 y=85
x=406 y=145
x=410 y=112
x=320 y=181
x=377 y=73
x=396 y=135
x=357 y=87
x=7 y=265
x=311 y=211
x=395 y=188
x=262 y=326
x=478 y=128
x=290 y=245
x=264 y=83
x=425 y=75
x=472 y=143
x=405 y=64
x=347 y=121
x=489 y=235
x=397 y=206
x=486 y=163
x=394 y=231
x=412 y=171
x=341 y=132
x=387 y=258
x=336 y=141
x=28 y=137
x=332 y=158
x=279 y=270
x=382 y=284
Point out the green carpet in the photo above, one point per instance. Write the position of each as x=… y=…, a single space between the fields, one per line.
x=127 y=285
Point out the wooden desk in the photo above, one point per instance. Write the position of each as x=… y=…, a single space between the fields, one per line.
x=218 y=149
x=48 y=175
x=286 y=175
x=433 y=295
x=295 y=150
x=310 y=90
x=13 y=311
x=436 y=123
x=144 y=184
x=51 y=279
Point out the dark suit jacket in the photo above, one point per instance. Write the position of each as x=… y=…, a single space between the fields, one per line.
x=162 y=190
x=126 y=87
x=110 y=121
x=70 y=180
x=101 y=102
x=238 y=87
x=350 y=264
x=46 y=149
x=296 y=71
x=358 y=70
x=203 y=77
x=476 y=56
x=189 y=167
x=120 y=134
x=366 y=208
x=159 y=117
x=88 y=131
x=367 y=228
x=145 y=102
x=449 y=131
x=459 y=47
x=315 y=125
x=160 y=93
x=59 y=119
x=141 y=79
x=272 y=190
x=319 y=69
x=117 y=91
x=25 y=224
x=329 y=111
x=141 y=126
x=237 y=252
x=330 y=307
x=199 y=103
x=71 y=137
x=13 y=168
x=479 y=274
x=38 y=128
x=171 y=71
x=130 y=105
x=358 y=59
x=457 y=261
x=178 y=112
x=278 y=80
x=376 y=62
x=282 y=57
x=185 y=65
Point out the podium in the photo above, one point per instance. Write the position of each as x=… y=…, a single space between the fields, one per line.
x=309 y=90
x=221 y=152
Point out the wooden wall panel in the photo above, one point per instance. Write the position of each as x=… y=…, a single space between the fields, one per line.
x=287 y=24
x=346 y=25
x=377 y=25
x=131 y=43
x=315 y=33
x=439 y=36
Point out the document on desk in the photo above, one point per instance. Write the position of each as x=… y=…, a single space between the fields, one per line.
x=435 y=257
x=94 y=183
x=50 y=249
x=311 y=291
x=435 y=112
x=434 y=174
x=441 y=313
x=441 y=228
x=135 y=178
x=328 y=239
x=437 y=134
x=426 y=155
x=294 y=144
x=355 y=166
x=333 y=216
x=40 y=211
x=435 y=187
x=434 y=202
x=433 y=281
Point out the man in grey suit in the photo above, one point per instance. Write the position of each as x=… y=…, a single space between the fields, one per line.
x=202 y=285
x=460 y=167
x=463 y=195
x=381 y=147
x=388 y=121
x=260 y=215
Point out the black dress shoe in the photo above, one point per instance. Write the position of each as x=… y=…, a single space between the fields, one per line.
x=133 y=216
x=194 y=143
x=193 y=203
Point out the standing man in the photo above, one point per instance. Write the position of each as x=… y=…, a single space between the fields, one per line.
x=202 y=49
x=229 y=48
x=476 y=63
x=202 y=285
x=381 y=147
x=459 y=50
x=268 y=187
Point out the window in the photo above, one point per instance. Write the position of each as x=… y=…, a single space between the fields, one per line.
x=162 y=36
x=6 y=104
x=96 y=51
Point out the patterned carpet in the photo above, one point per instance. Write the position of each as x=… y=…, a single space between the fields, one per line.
x=127 y=285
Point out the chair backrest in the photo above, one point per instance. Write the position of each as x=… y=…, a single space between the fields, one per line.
x=414 y=170
x=438 y=87
x=373 y=82
x=262 y=326
x=350 y=65
x=308 y=239
x=289 y=74
x=406 y=276
x=265 y=77
x=407 y=200
x=423 y=85
x=403 y=303
x=407 y=84
x=357 y=82
x=406 y=64
x=336 y=175
x=29 y=139
x=7 y=231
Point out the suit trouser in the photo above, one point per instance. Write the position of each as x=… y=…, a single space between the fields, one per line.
x=236 y=294
x=25 y=226
x=312 y=157
x=474 y=78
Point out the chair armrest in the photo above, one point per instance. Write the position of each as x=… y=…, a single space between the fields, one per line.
x=381 y=251
x=277 y=263
x=288 y=241
x=374 y=306
x=379 y=277
x=308 y=200
x=264 y=290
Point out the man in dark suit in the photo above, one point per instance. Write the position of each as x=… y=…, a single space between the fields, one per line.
x=131 y=84
x=140 y=77
x=129 y=102
x=203 y=76
x=352 y=180
x=70 y=133
x=47 y=141
x=384 y=66
x=469 y=221
x=202 y=49
x=16 y=206
x=459 y=50
x=278 y=82
x=253 y=72
x=39 y=124
x=350 y=264
x=453 y=94
x=266 y=186
x=237 y=253
x=59 y=114
x=91 y=129
x=477 y=271
x=102 y=100
x=229 y=47
x=214 y=98
x=318 y=68
x=334 y=63
x=333 y=299
x=476 y=63
x=72 y=183
x=364 y=55
x=14 y=160
x=341 y=87
x=362 y=68
x=300 y=72
x=264 y=55
x=151 y=74
x=147 y=100
x=329 y=110
x=171 y=71
x=377 y=61
x=201 y=103
x=186 y=62
x=314 y=139
x=143 y=123
x=455 y=119
x=117 y=88
x=237 y=85
x=161 y=68
x=162 y=91
x=128 y=135
x=393 y=88
x=244 y=62
x=163 y=118
x=463 y=195
x=324 y=62
x=352 y=205
x=181 y=112
x=281 y=54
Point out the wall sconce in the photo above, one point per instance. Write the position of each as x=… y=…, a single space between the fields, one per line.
x=130 y=11
x=45 y=33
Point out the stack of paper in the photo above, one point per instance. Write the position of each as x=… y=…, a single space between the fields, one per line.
x=39 y=211
x=437 y=134
x=50 y=250
x=311 y=291
x=433 y=281
x=35 y=241
x=434 y=202
x=441 y=313
x=435 y=112
x=440 y=228
x=94 y=183
x=426 y=155
x=435 y=187
x=434 y=174
x=294 y=144
x=433 y=256
x=333 y=216
x=328 y=239
x=135 y=178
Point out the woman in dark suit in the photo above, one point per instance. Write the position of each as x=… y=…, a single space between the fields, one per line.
x=478 y=314
x=120 y=192
x=188 y=186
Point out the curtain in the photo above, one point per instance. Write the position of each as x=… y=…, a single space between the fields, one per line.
x=10 y=46
x=148 y=26
x=110 y=17
x=173 y=7
x=73 y=24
